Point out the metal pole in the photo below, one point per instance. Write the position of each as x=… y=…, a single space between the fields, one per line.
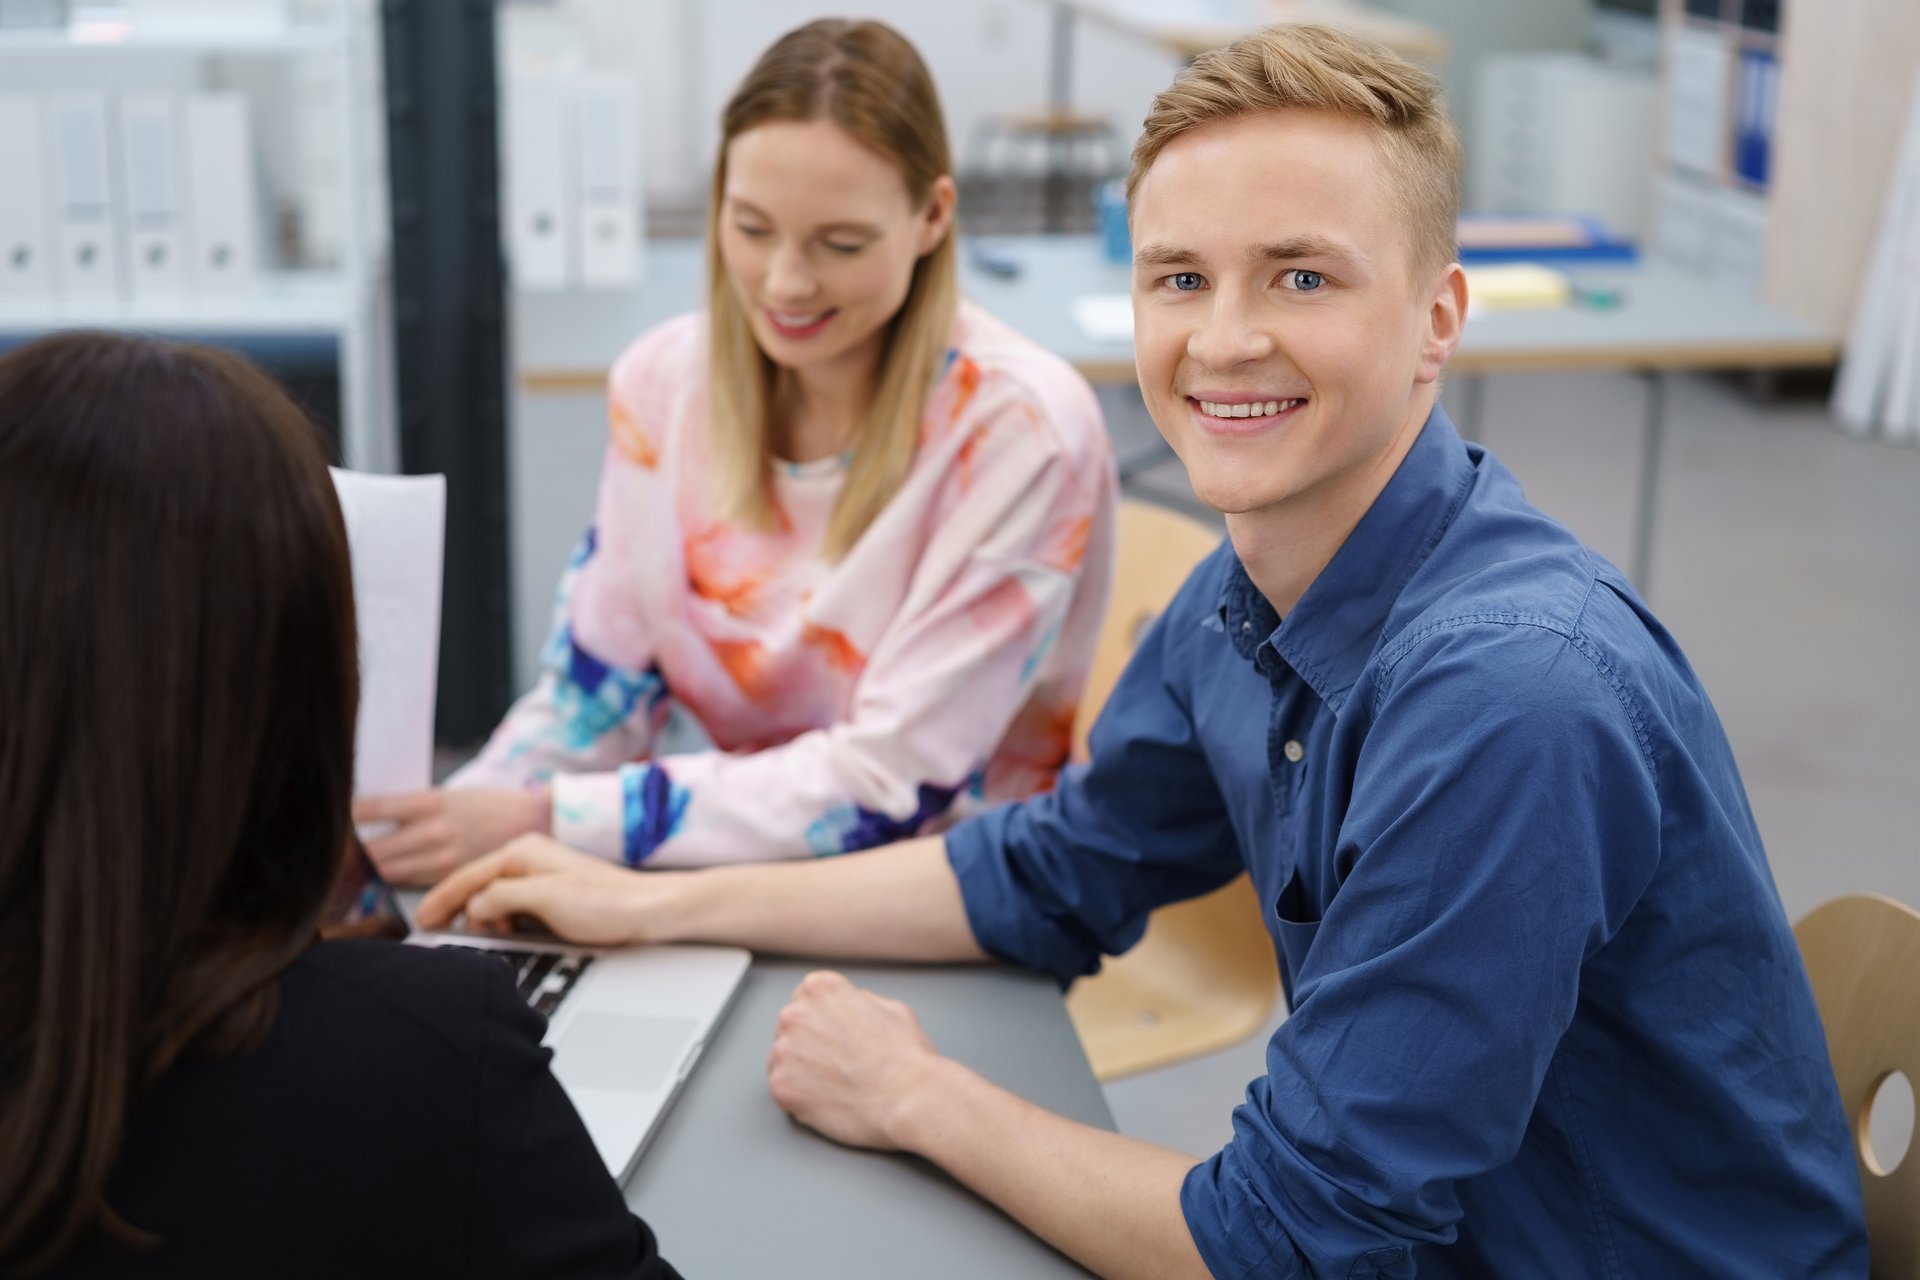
x=449 y=339
x=1059 y=103
x=1655 y=426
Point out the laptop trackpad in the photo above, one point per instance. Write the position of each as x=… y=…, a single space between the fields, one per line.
x=626 y=1051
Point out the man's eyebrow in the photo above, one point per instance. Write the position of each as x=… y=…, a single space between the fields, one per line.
x=1161 y=255
x=1294 y=248
x=1290 y=249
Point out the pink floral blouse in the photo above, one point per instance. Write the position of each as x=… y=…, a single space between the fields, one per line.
x=932 y=671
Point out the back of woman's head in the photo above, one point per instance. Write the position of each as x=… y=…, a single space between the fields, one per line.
x=178 y=684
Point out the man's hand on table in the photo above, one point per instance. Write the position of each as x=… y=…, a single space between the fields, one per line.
x=850 y=1064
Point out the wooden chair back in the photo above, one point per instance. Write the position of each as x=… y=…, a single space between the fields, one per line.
x=1204 y=976
x=1863 y=957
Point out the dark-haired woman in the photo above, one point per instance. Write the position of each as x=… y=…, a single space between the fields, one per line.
x=189 y=1083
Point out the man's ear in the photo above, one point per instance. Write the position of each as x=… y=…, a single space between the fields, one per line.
x=1446 y=315
x=937 y=218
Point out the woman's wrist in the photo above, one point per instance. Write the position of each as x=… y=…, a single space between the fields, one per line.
x=540 y=820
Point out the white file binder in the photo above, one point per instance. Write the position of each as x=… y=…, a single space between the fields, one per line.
x=154 y=182
x=608 y=173
x=85 y=240
x=26 y=271
x=222 y=195
x=540 y=221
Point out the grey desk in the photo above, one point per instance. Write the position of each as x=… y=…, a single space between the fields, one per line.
x=1666 y=321
x=735 y=1188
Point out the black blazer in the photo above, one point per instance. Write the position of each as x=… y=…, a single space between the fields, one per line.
x=399 y=1120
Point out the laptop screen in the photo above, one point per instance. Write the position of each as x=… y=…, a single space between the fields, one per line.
x=362 y=905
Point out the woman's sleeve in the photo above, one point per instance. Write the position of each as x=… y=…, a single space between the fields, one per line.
x=940 y=690
x=600 y=700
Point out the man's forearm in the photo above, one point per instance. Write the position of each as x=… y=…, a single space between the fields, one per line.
x=1111 y=1203
x=901 y=902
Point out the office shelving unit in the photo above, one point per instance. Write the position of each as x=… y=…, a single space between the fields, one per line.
x=341 y=301
x=1711 y=201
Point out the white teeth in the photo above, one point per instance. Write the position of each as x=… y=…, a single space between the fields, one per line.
x=1246 y=408
x=797 y=322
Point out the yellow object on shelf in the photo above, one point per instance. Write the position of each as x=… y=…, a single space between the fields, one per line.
x=1516 y=286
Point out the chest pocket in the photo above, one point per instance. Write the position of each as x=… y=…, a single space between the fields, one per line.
x=1296 y=922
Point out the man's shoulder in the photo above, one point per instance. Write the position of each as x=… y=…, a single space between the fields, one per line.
x=1557 y=646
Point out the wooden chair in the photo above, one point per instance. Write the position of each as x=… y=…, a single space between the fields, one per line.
x=1204 y=976
x=1863 y=957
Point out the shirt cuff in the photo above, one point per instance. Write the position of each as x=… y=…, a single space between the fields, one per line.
x=588 y=811
x=1237 y=1236
x=999 y=901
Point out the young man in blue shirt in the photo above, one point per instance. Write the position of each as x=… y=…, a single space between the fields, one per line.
x=1548 y=1018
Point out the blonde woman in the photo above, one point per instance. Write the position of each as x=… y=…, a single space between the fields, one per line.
x=858 y=528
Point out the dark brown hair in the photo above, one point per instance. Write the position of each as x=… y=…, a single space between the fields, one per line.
x=178 y=683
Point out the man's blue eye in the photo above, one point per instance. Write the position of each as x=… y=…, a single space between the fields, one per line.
x=1307 y=281
x=1186 y=281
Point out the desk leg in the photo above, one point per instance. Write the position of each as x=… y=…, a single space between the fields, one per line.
x=1473 y=401
x=1653 y=429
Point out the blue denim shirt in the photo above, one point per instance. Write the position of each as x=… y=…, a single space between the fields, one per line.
x=1548 y=1018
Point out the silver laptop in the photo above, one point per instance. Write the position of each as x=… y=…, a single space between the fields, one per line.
x=626 y=1026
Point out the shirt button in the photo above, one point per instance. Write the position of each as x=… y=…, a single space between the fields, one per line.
x=1293 y=751
x=1246 y=626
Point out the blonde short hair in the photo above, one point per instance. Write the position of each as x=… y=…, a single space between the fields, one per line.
x=866 y=78
x=1307 y=67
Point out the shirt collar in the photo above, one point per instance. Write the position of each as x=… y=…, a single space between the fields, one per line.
x=1333 y=631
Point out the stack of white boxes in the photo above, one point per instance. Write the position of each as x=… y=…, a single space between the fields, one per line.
x=1563 y=133
x=126 y=197
x=573 y=181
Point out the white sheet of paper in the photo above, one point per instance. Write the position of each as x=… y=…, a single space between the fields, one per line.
x=1105 y=317
x=396 y=527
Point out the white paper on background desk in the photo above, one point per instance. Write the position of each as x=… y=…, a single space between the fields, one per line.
x=396 y=527
x=1105 y=317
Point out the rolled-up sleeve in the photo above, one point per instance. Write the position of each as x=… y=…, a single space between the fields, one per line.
x=1504 y=818
x=1055 y=882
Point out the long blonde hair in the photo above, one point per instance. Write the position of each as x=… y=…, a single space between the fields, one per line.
x=867 y=79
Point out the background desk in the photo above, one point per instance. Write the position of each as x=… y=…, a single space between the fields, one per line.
x=1666 y=321
x=735 y=1188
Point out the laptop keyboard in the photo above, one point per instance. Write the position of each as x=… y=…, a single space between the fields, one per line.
x=544 y=977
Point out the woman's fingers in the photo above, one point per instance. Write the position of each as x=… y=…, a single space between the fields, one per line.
x=413 y=838
x=401 y=806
